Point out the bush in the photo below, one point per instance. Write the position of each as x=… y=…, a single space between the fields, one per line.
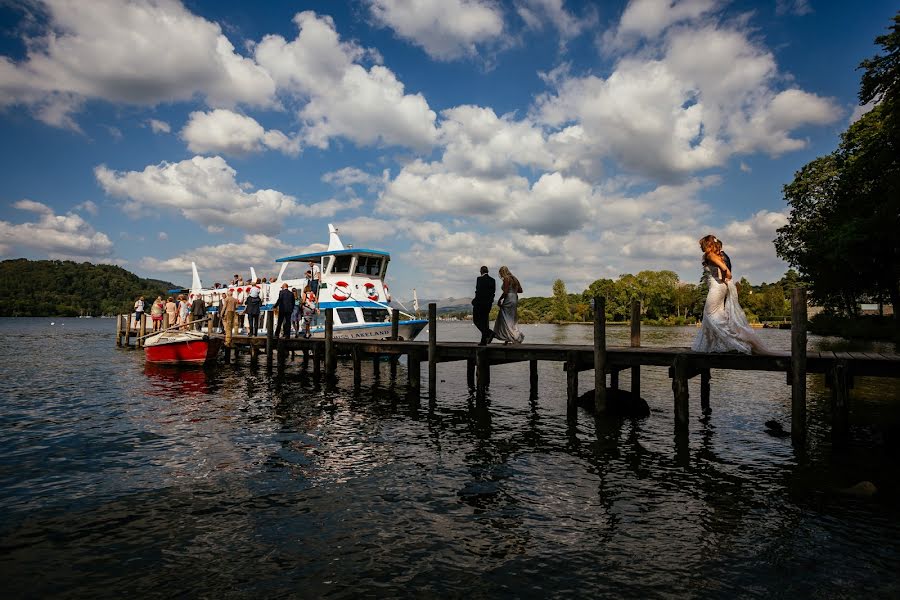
x=869 y=327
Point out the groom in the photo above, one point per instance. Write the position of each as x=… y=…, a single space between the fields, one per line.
x=485 y=288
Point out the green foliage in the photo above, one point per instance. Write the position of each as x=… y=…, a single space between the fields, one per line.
x=69 y=289
x=561 y=310
x=845 y=207
x=864 y=327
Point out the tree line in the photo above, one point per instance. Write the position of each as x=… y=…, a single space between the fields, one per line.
x=63 y=288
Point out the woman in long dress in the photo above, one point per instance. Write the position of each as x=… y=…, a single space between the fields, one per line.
x=506 y=327
x=724 y=327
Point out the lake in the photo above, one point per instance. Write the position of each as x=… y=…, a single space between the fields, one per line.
x=120 y=479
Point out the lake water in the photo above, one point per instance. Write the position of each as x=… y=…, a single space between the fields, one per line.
x=119 y=479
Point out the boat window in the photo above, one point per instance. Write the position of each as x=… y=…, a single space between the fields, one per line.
x=375 y=315
x=368 y=265
x=347 y=315
x=341 y=264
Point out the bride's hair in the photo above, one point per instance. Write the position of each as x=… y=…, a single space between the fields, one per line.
x=710 y=243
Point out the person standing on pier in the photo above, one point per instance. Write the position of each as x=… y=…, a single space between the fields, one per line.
x=198 y=311
x=138 y=310
x=156 y=313
x=228 y=308
x=506 y=327
x=252 y=304
x=285 y=306
x=315 y=277
x=172 y=311
x=485 y=288
x=724 y=327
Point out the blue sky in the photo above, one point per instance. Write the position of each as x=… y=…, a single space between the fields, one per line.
x=571 y=140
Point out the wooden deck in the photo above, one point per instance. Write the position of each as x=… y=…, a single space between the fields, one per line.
x=840 y=368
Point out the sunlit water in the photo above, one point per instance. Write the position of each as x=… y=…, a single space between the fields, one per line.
x=119 y=479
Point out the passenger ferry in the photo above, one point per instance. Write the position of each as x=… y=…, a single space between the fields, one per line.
x=352 y=283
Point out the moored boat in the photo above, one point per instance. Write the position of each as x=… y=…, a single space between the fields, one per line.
x=181 y=347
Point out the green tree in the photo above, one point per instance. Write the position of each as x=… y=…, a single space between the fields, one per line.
x=561 y=310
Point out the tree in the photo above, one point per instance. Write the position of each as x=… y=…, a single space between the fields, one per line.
x=845 y=207
x=560 y=301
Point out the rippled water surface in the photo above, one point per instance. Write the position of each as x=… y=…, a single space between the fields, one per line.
x=120 y=479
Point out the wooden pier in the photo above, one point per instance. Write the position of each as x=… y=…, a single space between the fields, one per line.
x=839 y=368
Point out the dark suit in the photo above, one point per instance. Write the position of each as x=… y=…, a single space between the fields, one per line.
x=485 y=288
x=285 y=306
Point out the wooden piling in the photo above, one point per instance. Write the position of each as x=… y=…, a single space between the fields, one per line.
x=142 y=330
x=395 y=334
x=357 y=367
x=432 y=350
x=414 y=370
x=165 y=322
x=600 y=358
x=317 y=361
x=119 y=330
x=679 y=374
x=798 y=363
x=636 y=343
x=704 y=391
x=614 y=379
x=482 y=372
x=572 y=380
x=470 y=372
x=270 y=337
x=840 y=400
x=533 y=377
x=127 y=319
x=330 y=358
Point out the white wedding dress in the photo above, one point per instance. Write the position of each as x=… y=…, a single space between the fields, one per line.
x=725 y=327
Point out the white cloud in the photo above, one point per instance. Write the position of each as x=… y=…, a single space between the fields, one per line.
x=89 y=207
x=649 y=18
x=205 y=190
x=227 y=132
x=859 y=110
x=162 y=236
x=792 y=7
x=445 y=29
x=140 y=53
x=705 y=94
x=538 y=14
x=344 y=99
x=350 y=176
x=219 y=262
x=159 y=126
x=58 y=236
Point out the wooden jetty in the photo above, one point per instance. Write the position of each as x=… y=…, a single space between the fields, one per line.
x=839 y=368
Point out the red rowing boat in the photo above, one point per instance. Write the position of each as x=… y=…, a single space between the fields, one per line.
x=176 y=347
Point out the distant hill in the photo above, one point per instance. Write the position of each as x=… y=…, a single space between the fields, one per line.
x=38 y=288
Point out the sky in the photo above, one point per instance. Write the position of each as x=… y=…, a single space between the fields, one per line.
x=568 y=140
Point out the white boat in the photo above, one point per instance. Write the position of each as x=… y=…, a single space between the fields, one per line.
x=352 y=283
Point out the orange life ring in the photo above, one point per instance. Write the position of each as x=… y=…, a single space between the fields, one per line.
x=341 y=291
x=371 y=292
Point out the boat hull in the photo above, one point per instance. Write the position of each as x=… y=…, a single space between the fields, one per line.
x=183 y=349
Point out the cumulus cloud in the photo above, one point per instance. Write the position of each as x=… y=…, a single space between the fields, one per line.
x=56 y=236
x=227 y=132
x=89 y=207
x=538 y=14
x=707 y=93
x=205 y=190
x=344 y=99
x=159 y=126
x=350 y=176
x=219 y=262
x=140 y=53
x=644 y=19
x=445 y=29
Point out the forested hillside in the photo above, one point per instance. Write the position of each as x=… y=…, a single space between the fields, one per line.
x=34 y=288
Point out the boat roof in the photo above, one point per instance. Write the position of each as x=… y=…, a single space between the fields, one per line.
x=315 y=255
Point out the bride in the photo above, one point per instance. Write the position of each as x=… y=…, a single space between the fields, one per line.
x=724 y=326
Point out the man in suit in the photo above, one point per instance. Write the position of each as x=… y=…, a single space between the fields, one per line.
x=485 y=288
x=285 y=306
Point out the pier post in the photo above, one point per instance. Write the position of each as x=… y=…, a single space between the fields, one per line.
x=414 y=370
x=636 y=343
x=533 y=377
x=330 y=358
x=614 y=379
x=679 y=374
x=599 y=357
x=142 y=329
x=270 y=336
x=127 y=320
x=165 y=323
x=572 y=380
x=395 y=335
x=798 y=363
x=841 y=382
x=118 y=330
x=482 y=372
x=704 y=391
x=357 y=367
x=432 y=350
x=317 y=360
x=470 y=372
